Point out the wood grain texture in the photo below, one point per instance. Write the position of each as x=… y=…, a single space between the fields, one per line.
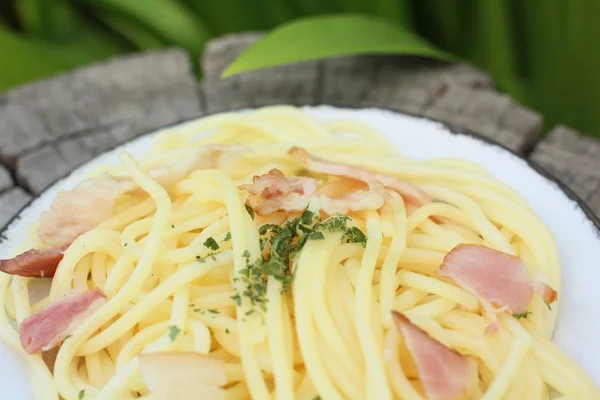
x=49 y=127
x=295 y=84
x=455 y=93
x=575 y=160
x=6 y=180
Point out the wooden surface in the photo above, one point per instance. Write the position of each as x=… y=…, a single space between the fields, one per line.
x=49 y=127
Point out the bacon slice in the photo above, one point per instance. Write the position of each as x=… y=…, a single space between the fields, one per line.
x=210 y=156
x=371 y=199
x=445 y=374
x=410 y=193
x=47 y=328
x=79 y=210
x=34 y=263
x=275 y=192
x=493 y=277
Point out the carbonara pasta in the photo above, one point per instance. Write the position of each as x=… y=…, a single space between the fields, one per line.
x=270 y=255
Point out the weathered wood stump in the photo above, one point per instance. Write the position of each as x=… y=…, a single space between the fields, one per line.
x=49 y=127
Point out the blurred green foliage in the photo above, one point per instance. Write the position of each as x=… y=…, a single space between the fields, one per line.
x=545 y=53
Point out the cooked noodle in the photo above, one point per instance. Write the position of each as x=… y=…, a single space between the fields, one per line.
x=172 y=260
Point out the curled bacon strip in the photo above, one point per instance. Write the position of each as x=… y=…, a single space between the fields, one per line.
x=371 y=199
x=34 y=263
x=275 y=192
x=410 y=193
x=445 y=374
x=79 y=210
x=494 y=277
x=47 y=328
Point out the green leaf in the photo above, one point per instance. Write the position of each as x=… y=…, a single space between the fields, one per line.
x=25 y=59
x=226 y=16
x=329 y=36
x=65 y=23
x=169 y=20
x=141 y=37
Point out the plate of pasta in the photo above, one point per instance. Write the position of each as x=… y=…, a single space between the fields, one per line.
x=302 y=253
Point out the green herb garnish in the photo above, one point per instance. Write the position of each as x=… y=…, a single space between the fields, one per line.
x=238 y=300
x=173 y=332
x=548 y=305
x=354 y=235
x=522 y=315
x=211 y=244
x=213 y=311
x=227 y=237
x=286 y=241
x=81 y=394
x=250 y=211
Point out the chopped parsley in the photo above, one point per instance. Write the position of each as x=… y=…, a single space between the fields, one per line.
x=238 y=300
x=286 y=241
x=172 y=226
x=522 y=315
x=81 y=394
x=211 y=244
x=250 y=211
x=548 y=305
x=203 y=259
x=317 y=397
x=173 y=332
x=125 y=245
x=227 y=237
x=213 y=311
x=68 y=336
x=227 y=330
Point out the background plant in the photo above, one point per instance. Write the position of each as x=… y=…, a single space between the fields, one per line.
x=545 y=53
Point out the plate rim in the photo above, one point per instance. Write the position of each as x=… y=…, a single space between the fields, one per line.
x=450 y=128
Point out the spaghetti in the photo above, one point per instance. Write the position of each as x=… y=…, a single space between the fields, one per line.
x=270 y=255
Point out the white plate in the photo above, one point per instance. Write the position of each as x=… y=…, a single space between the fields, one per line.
x=574 y=226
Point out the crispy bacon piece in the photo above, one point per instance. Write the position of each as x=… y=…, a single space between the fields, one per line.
x=209 y=156
x=274 y=192
x=34 y=263
x=493 y=277
x=445 y=374
x=370 y=199
x=79 y=210
x=47 y=328
x=410 y=193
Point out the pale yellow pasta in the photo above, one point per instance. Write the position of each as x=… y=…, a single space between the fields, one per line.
x=176 y=264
